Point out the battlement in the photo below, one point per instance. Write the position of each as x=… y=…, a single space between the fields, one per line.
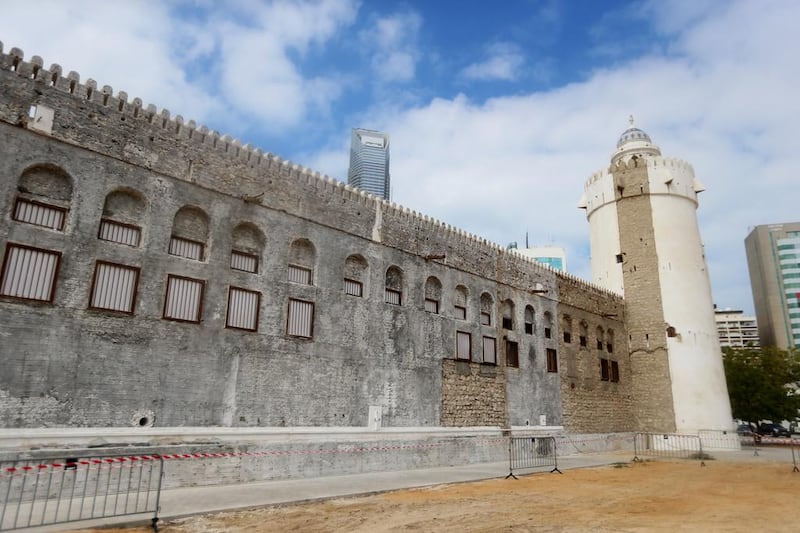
x=186 y=140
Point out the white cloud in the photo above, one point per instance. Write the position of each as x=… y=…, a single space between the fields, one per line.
x=516 y=164
x=503 y=62
x=391 y=41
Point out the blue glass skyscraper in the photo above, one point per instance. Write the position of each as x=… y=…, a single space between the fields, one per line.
x=369 y=162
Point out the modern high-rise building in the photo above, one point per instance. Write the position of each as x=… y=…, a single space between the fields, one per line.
x=645 y=243
x=773 y=258
x=369 y=162
x=553 y=256
x=735 y=329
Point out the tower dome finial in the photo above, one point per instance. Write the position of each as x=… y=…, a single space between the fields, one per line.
x=630 y=121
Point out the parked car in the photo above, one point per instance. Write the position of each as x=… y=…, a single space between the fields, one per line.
x=773 y=430
x=745 y=430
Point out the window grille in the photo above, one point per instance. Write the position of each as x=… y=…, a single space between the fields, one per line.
x=39 y=214
x=298 y=274
x=552 y=360
x=431 y=305
x=486 y=318
x=353 y=287
x=463 y=345
x=118 y=232
x=460 y=312
x=244 y=262
x=186 y=248
x=114 y=287
x=29 y=273
x=243 y=308
x=184 y=299
x=394 y=297
x=300 y=319
x=489 y=350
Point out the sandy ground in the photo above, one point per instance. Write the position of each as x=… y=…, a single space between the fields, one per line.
x=649 y=496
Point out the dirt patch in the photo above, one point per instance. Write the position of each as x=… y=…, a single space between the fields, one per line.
x=650 y=496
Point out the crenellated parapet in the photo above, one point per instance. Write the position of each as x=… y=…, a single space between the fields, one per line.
x=97 y=118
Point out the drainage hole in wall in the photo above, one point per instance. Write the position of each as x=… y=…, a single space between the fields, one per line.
x=144 y=421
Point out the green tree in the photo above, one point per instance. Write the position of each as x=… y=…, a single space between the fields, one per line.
x=761 y=382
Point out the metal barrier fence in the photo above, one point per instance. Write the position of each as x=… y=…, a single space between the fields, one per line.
x=47 y=491
x=670 y=445
x=719 y=439
x=531 y=452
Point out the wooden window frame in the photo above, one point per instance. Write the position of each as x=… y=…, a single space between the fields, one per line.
x=486 y=318
x=460 y=312
x=56 y=271
x=483 y=350
x=300 y=268
x=64 y=211
x=200 y=243
x=389 y=291
x=200 y=304
x=124 y=225
x=469 y=346
x=552 y=360
x=435 y=304
x=232 y=288
x=512 y=354
x=134 y=293
x=355 y=282
x=244 y=254
x=310 y=336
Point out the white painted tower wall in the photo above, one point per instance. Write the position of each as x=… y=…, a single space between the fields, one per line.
x=699 y=389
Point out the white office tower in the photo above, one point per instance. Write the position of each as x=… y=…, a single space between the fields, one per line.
x=645 y=244
x=369 y=162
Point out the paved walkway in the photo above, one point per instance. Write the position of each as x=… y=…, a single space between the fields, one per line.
x=181 y=502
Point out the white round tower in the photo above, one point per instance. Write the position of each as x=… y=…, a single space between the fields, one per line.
x=645 y=244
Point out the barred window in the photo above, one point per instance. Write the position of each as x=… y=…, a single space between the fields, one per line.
x=184 y=299
x=299 y=274
x=29 y=273
x=118 y=232
x=243 y=306
x=394 y=297
x=114 y=287
x=39 y=214
x=489 y=350
x=300 y=319
x=185 y=248
x=244 y=261
x=431 y=306
x=353 y=287
x=463 y=345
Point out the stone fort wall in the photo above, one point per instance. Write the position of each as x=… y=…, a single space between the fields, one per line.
x=72 y=364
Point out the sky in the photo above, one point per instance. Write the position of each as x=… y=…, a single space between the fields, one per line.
x=498 y=112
